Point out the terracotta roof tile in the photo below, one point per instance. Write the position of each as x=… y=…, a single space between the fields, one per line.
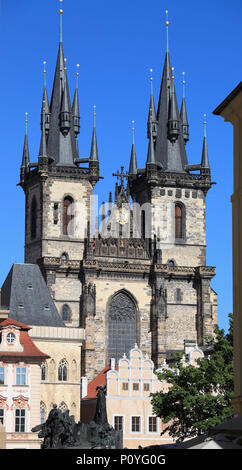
x=30 y=349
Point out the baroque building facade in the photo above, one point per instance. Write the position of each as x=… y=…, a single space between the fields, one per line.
x=141 y=278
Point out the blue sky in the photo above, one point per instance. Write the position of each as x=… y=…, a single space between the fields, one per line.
x=116 y=43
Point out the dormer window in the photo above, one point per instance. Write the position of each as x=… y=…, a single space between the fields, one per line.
x=11 y=338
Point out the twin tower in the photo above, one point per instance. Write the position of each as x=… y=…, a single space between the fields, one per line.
x=142 y=277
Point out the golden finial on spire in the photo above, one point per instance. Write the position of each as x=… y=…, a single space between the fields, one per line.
x=167 y=21
x=133 y=131
x=26 y=122
x=167 y=32
x=60 y=10
x=183 y=83
x=151 y=80
x=205 y=124
x=94 y=115
x=44 y=71
x=77 y=69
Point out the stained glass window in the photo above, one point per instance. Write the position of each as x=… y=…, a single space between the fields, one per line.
x=122 y=323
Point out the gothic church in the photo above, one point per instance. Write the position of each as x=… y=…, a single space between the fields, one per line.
x=140 y=276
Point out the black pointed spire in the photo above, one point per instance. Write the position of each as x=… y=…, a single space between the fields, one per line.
x=172 y=155
x=75 y=107
x=133 y=161
x=183 y=114
x=65 y=113
x=205 y=167
x=25 y=157
x=42 y=150
x=151 y=149
x=45 y=103
x=152 y=112
x=94 y=151
x=61 y=145
x=173 y=130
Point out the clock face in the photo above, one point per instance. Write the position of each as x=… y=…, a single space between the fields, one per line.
x=123 y=215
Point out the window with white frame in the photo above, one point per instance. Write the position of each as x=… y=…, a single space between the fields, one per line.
x=135 y=423
x=1 y=375
x=11 y=338
x=20 y=417
x=118 y=423
x=2 y=415
x=152 y=424
x=21 y=376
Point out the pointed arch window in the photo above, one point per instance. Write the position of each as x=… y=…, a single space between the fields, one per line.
x=179 y=222
x=43 y=371
x=63 y=371
x=33 y=218
x=68 y=216
x=66 y=313
x=143 y=224
x=122 y=326
x=43 y=412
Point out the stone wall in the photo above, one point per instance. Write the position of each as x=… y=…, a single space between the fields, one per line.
x=60 y=344
x=2 y=437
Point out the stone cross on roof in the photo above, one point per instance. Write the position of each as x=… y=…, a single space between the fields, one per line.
x=121 y=175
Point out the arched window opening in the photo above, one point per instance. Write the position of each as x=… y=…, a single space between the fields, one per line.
x=64 y=257
x=179 y=222
x=68 y=216
x=171 y=263
x=122 y=326
x=33 y=218
x=66 y=313
x=143 y=225
x=62 y=371
x=43 y=371
x=43 y=412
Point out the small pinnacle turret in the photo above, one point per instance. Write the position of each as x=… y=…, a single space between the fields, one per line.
x=173 y=128
x=133 y=161
x=45 y=103
x=151 y=149
x=152 y=112
x=75 y=107
x=205 y=167
x=94 y=151
x=183 y=115
x=25 y=158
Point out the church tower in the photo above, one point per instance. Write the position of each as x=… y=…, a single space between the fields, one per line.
x=174 y=202
x=59 y=190
x=142 y=279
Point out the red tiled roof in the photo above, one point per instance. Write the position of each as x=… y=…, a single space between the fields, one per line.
x=9 y=321
x=30 y=349
x=99 y=380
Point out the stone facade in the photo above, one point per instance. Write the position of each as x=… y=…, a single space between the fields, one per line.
x=63 y=346
x=142 y=276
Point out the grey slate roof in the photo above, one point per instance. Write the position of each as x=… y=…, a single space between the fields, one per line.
x=26 y=294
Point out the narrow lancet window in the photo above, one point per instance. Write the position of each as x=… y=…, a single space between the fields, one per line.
x=68 y=216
